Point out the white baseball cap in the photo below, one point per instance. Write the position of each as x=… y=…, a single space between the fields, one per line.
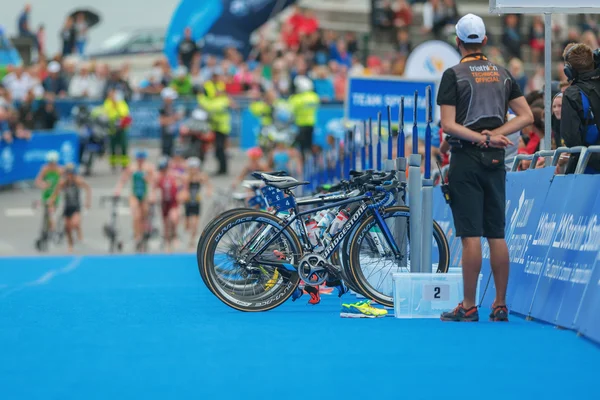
x=53 y=67
x=470 y=29
x=168 y=93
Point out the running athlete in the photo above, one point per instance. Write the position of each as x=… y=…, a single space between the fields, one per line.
x=255 y=163
x=168 y=185
x=192 y=183
x=47 y=180
x=141 y=174
x=70 y=185
x=284 y=157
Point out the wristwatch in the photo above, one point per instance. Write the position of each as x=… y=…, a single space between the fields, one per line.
x=487 y=139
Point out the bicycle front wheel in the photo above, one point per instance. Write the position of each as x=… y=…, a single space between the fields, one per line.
x=261 y=284
x=372 y=261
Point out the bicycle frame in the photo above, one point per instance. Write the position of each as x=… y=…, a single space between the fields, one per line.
x=338 y=238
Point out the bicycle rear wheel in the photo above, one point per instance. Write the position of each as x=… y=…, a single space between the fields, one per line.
x=262 y=284
x=206 y=233
x=371 y=261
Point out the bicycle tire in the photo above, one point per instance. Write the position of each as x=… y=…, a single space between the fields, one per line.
x=353 y=254
x=206 y=232
x=275 y=297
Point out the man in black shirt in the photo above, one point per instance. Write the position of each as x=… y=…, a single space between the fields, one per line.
x=168 y=118
x=579 y=125
x=474 y=97
x=187 y=49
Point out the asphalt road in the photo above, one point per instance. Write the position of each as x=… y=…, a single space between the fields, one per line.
x=21 y=220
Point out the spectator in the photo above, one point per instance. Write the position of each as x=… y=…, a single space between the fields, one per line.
x=5 y=133
x=384 y=18
x=516 y=69
x=41 y=40
x=534 y=132
x=357 y=68
x=309 y=24
x=17 y=129
x=560 y=72
x=340 y=82
x=182 y=83
x=399 y=65
x=196 y=75
x=404 y=15
x=55 y=83
x=556 y=115
x=82 y=84
x=244 y=77
x=27 y=111
x=437 y=16
x=536 y=38
x=210 y=68
x=187 y=49
x=120 y=85
x=572 y=37
x=168 y=121
x=340 y=53
x=46 y=115
x=291 y=28
x=152 y=86
x=81 y=33
x=98 y=84
x=403 y=44
x=495 y=56
x=323 y=84
x=536 y=83
x=351 y=42
x=589 y=37
x=23 y=26
x=67 y=34
x=18 y=83
x=69 y=69
x=511 y=38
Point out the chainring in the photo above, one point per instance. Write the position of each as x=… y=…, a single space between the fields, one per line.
x=313 y=270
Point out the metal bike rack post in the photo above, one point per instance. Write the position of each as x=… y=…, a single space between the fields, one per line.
x=414 y=195
x=542 y=153
x=584 y=158
x=518 y=159
x=568 y=150
x=427 y=189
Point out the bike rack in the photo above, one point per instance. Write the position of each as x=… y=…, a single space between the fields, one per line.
x=518 y=159
x=584 y=158
x=538 y=154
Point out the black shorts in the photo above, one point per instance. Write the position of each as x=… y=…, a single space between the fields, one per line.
x=305 y=138
x=69 y=211
x=477 y=183
x=192 y=210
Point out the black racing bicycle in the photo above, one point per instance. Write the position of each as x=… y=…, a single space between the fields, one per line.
x=253 y=260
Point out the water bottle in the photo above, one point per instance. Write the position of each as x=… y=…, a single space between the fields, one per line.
x=326 y=221
x=338 y=223
x=312 y=231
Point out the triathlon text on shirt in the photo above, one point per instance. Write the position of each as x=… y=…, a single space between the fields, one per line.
x=485 y=73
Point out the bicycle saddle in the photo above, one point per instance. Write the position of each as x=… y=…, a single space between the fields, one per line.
x=282 y=182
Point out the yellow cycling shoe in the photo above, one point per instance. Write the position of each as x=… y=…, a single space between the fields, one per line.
x=362 y=309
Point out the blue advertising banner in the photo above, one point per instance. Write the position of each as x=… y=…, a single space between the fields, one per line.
x=250 y=126
x=220 y=24
x=526 y=194
x=587 y=318
x=366 y=96
x=577 y=245
x=443 y=216
x=22 y=159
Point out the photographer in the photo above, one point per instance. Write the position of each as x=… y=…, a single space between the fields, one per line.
x=580 y=114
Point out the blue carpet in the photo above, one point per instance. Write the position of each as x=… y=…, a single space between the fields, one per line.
x=130 y=327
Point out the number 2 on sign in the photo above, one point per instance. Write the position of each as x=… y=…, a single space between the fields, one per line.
x=437 y=292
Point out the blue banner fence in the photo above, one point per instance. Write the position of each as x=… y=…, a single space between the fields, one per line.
x=21 y=160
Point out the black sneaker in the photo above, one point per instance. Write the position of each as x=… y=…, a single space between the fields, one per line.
x=461 y=314
x=499 y=314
